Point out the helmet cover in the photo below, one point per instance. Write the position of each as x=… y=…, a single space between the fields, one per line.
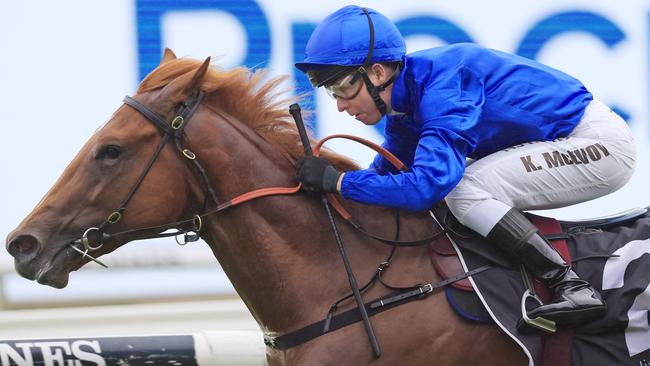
x=343 y=39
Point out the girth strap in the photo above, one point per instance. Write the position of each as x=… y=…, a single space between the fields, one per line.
x=352 y=316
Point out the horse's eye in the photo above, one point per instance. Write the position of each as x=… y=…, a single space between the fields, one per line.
x=109 y=152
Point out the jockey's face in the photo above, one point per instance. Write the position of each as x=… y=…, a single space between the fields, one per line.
x=360 y=104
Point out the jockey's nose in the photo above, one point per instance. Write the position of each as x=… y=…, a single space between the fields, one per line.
x=342 y=104
x=22 y=246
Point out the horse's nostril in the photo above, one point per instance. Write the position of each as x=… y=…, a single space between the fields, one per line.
x=22 y=245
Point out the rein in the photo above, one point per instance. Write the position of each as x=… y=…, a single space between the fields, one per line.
x=94 y=237
x=194 y=224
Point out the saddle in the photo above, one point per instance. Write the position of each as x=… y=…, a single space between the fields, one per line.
x=556 y=348
x=444 y=257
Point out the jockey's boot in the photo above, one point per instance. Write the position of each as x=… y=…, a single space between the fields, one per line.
x=574 y=300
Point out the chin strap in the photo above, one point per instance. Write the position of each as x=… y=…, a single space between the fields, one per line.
x=373 y=89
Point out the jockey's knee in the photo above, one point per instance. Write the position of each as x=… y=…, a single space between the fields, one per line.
x=464 y=197
x=627 y=164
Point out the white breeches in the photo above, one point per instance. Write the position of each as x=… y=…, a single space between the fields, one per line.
x=596 y=159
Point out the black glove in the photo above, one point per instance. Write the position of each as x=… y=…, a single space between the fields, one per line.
x=317 y=175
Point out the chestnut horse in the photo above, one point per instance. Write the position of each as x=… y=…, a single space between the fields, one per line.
x=278 y=251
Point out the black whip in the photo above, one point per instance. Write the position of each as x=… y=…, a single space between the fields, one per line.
x=294 y=109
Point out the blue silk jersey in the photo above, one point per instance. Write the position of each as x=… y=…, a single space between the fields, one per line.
x=461 y=101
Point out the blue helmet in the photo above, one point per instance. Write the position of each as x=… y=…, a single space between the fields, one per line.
x=343 y=39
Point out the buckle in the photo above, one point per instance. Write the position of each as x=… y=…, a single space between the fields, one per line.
x=382 y=266
x=188 y=237
x=269 y=341
x=188 y=154
x=177 y=122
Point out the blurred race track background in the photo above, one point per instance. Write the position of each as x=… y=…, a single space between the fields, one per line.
x=66 y=65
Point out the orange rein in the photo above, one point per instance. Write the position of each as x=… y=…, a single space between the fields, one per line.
x=332 y=198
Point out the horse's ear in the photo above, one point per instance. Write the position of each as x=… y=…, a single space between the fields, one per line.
x=182 y=87
x=168 y=56
x=198 y=75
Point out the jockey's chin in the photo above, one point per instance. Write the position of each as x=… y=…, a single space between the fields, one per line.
x=369 y=119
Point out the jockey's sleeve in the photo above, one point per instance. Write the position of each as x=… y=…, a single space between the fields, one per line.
x=400 y=140
x=449 y=112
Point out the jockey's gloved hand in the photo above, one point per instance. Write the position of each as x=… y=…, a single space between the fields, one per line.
x=317 y=175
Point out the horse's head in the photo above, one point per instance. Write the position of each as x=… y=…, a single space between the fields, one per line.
x=100 y=180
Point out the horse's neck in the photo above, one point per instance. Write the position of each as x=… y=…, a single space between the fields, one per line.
x=279 y=252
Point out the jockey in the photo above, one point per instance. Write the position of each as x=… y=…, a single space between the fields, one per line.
x=491 y=133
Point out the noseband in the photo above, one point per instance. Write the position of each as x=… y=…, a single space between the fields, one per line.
x=93 y=238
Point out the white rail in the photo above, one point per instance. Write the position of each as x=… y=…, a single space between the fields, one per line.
x=208 y=348
x=169 y=334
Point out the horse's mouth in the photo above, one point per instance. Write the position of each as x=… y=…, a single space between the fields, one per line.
x=56 y=271
x=54 y=279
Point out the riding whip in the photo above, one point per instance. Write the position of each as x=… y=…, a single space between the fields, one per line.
x=294 y=109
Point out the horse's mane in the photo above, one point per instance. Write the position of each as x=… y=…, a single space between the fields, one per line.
x=246 y=96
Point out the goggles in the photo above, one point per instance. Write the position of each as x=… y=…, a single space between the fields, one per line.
x=347 y=87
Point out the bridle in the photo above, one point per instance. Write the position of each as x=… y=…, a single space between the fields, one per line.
x=93 y=238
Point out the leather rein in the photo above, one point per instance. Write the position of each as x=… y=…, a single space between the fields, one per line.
x=94 y=237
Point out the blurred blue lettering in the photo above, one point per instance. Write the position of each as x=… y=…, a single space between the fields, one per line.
x=576 y=21
x=249 y=13
x=300 y=32
x=433 y=26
